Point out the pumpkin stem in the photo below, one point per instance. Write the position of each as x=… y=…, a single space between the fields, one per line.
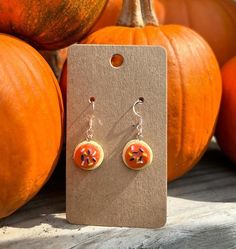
x=149 y=15
x=131 y=14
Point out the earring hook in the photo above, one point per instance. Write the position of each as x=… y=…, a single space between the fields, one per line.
x=139 y=101
x=140 y=123
x=89 y=132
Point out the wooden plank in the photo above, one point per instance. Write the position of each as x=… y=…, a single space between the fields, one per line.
x=201 y=214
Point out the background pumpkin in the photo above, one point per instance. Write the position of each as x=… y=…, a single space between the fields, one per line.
x=31 y=114
x=111 y=12
x=215 y=20
x=49 y=24
x=194 y=80
x=226 y=126
x=55 y=59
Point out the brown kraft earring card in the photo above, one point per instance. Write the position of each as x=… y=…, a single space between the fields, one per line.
x=113 y=194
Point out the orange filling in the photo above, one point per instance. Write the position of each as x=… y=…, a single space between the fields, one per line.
x=86 y=156
x=137 y=156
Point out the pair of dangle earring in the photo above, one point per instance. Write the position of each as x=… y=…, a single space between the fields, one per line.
x=136 y=155
x=89 y=155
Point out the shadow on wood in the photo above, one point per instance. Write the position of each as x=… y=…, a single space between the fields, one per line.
x=212 y=180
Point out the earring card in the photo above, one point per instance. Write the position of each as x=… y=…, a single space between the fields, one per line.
x=113 y=194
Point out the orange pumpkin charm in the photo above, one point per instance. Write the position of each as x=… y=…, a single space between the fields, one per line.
x=88 y=155
x=137 y=154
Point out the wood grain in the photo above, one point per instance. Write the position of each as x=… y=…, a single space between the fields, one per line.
x=201 y=214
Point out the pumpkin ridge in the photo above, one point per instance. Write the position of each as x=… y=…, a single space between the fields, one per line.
x=145 y=36
x=132 y=32
x=175 y=52
x=170 y=47
x=54 y=80
x=195 y=53
x=213 y=101
x=41 y=88
x=57 y=88
x=136 y=37
x=47 y=100
x=206 y=68
x=28 y=142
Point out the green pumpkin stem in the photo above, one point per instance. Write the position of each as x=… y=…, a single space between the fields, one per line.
x=137 y=13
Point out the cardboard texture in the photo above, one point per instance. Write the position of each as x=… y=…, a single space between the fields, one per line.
x=114 y=195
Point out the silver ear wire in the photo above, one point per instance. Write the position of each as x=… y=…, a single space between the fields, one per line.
x=89 y=131
x=139 y=126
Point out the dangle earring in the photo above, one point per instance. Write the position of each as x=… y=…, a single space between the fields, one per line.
x=137 y=154
x=89 y=155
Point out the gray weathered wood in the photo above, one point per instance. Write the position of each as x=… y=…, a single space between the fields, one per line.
x=201 y=214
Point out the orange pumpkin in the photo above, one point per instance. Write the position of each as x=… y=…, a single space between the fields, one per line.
x=55 y=59
x=49 y=24
x=31 y=114
x=215 y=20
x=226 y=126
x=194 y=80
x=110 y=14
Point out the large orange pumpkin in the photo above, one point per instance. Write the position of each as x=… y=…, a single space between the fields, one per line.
x=215 y=20
x=226 y=126
x=49 y=24
x=194 y=80
x=31 y=114
x=111 y=12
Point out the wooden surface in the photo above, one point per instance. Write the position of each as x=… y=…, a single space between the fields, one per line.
x=114 y=195
x=201 y=214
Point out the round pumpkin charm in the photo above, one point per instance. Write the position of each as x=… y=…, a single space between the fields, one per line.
x=31 y=123
x=137 y=154
x=88 y=155
x=49 y=24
